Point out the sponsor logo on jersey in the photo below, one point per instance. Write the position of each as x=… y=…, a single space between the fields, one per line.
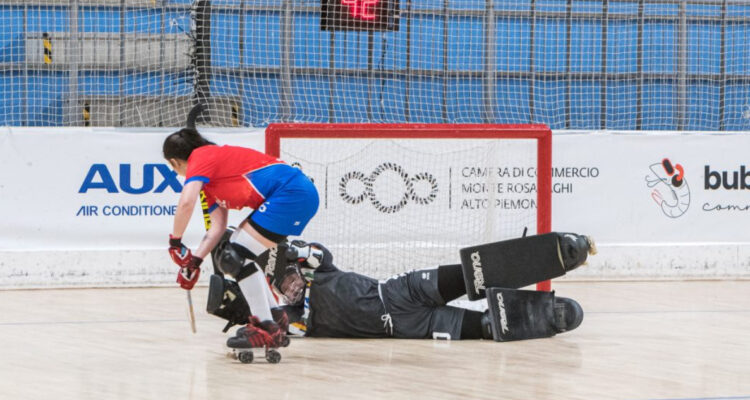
x=476 y=265
x=503 y=317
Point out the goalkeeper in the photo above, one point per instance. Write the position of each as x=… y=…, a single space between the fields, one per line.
x=324 y=301
x=283 y=200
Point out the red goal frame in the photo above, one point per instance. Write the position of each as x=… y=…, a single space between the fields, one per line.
x=541 y=133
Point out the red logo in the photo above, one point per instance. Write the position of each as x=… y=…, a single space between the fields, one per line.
x=362 y=9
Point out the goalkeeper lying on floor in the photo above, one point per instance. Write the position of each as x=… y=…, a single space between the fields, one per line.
x=324 y=301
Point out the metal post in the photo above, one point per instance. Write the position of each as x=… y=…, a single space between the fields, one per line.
x=285 y=94
x=370 y=79
x=203 y=56
x=407 y=76
x=75 y=52
x=532 y=70
x=723 y=66
x=241 y=53
x=444 y=102
x=682 y=44
x=163 y=55
x=489 y=63
x=25 y=113
x=122 y=73
x=568 y=70
x=605 y=78
x=331 y=74
x=639 y=69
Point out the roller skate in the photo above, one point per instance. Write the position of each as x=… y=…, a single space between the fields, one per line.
x=281 y=318
x=256 y=336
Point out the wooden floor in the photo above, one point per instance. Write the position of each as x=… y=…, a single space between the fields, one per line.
x=663 y=340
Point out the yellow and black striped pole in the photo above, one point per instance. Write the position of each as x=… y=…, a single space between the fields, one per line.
x=235 y=114
x=87 y=114
x=47 y=44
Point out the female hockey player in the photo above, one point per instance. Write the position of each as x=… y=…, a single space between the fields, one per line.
x=327 y=302
x=283 y=201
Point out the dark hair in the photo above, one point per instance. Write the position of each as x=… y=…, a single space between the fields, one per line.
x=181 y=144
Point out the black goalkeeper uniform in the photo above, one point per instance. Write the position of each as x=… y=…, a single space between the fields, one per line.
x=409 y=305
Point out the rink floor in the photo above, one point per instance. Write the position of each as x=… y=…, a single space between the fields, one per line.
x=639 y=340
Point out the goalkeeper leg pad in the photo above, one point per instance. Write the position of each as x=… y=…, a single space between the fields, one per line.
x=225 y=300
x=521 y=314
x=520 y=262
x=528 y=314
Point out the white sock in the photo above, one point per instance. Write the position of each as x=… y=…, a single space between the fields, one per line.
x=253 y=288
x=245 y=240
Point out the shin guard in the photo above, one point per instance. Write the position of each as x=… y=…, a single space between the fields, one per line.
x=521 y=314
x=225 y=300
x=523 y=261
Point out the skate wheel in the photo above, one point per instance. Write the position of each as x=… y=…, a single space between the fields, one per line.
x=245 y=357
x=273 y=356
x=285 y=342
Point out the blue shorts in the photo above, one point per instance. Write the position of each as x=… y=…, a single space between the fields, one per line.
x=291 y=204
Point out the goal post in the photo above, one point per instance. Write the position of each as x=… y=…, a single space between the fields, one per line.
x=398 y=197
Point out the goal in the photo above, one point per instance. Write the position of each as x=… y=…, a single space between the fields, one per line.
x=398 y=197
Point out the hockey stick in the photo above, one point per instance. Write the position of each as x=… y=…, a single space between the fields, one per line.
x=192 y=117
x=190 y=309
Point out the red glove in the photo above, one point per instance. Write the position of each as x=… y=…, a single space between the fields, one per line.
x=188 y=276
x=180 y=254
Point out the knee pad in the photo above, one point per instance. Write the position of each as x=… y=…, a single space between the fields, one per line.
x=225 y=300
x=219 y=249
x=231 y=261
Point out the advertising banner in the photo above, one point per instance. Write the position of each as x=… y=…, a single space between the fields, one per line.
x=73 y=195
x=659 y=205
x=653 y=188
x=90 y=206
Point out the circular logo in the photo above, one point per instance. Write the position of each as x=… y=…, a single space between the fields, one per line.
x=355 y=187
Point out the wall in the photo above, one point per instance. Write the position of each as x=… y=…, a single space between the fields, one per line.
x=609 y=185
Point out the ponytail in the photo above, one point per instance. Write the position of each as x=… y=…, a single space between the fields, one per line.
x=181 y=144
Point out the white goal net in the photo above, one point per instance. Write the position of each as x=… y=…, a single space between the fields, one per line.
x=390 y=204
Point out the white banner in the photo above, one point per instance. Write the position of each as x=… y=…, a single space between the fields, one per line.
x=94 y=206
x=659 y=205
x=618 y=187
x=73 y=195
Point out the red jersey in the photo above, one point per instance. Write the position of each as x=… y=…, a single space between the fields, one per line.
x=225 y=173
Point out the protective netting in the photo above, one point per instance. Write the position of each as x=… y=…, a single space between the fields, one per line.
x=630 y=64
x=392 y=205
